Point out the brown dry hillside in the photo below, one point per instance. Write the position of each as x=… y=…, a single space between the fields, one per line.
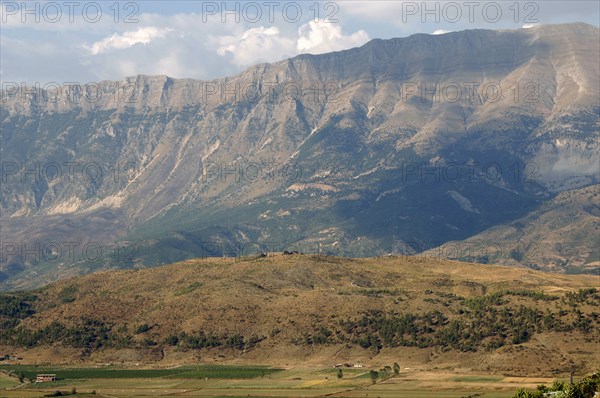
x=306 y=308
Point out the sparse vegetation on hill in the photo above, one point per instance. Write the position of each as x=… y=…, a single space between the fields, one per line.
x=468 y=324
x=303 y=301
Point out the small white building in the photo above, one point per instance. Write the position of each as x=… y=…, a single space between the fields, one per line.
x=44 y=378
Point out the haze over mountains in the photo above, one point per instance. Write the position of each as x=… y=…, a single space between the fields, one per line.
x=398 y=146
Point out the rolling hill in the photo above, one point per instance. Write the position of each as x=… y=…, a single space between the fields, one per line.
x=290 y=309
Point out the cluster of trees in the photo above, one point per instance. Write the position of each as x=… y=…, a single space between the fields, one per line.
x=531 y=293
x=90 y=334
x=582 y=296
x=584 y=388
x=384 y=373
x=486 y=327
x=67 y=295
x=16 y=305
x=485 y=322
x=59 y=393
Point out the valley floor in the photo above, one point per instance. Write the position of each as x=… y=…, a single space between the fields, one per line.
x=296 y=382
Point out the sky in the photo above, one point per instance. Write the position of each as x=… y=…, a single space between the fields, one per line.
x=70 y=41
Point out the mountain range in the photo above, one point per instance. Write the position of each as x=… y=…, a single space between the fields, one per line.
x=480 y=138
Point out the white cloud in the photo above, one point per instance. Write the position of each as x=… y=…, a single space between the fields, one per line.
x=441 y=32
x=255 y=45
x=530 y=25
x=128 y=39
x=318 y=38
x=263 y=44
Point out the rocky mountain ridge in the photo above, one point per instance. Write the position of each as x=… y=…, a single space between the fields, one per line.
x=408 y=143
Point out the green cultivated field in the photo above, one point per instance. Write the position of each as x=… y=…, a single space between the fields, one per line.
x=182 y=372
